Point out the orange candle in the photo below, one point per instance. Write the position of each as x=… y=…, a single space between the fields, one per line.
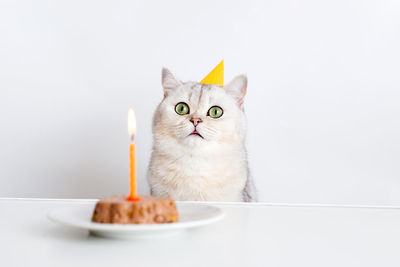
x=133 y=196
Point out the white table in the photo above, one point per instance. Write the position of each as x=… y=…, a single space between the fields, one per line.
x=250 y=235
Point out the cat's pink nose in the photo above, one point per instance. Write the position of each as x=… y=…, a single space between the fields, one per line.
x=195 y=121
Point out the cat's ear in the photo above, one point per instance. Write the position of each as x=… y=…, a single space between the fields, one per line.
x=169 y=81
x=237 y=88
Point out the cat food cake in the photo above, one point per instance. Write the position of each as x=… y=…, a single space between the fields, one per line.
x=147 y=210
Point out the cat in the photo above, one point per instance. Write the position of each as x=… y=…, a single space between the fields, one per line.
x=199 y=149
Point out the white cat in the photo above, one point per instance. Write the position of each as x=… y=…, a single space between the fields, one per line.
x=199 y=150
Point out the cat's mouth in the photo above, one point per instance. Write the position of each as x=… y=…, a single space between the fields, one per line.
x=195 y=132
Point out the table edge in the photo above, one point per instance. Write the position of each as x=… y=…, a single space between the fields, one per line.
x=248 y=204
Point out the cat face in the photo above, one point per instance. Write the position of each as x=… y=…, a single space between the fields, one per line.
x=193 y=113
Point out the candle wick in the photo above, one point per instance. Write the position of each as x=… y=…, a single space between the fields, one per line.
x=132 y=138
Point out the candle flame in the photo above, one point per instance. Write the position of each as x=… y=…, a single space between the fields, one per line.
x=131 y=122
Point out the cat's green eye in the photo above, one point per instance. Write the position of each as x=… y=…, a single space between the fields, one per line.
x=215 y=112
x=182 y=108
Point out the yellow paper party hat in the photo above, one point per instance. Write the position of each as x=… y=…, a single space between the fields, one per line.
x=216 y=76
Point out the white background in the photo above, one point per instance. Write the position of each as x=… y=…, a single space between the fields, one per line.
x=322 y=105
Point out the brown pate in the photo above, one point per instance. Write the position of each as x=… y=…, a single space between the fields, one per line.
x=147 y=210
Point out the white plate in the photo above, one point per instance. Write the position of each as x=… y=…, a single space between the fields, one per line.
x=190 y=215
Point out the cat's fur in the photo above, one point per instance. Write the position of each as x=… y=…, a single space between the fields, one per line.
x=185 y=166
